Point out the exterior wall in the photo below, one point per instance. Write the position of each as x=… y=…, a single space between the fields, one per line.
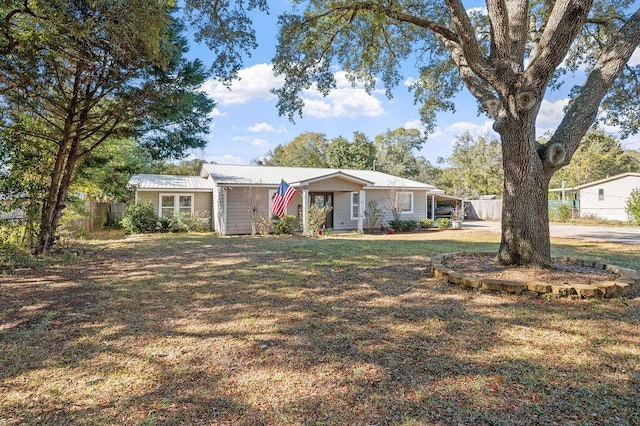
x=383 y=198
x=615 y=194
x=238 y=218
x=239 y=202
x=334 y=185
x=202 y=201
x=342 y=211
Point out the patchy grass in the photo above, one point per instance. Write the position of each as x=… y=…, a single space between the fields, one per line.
x=198 y=329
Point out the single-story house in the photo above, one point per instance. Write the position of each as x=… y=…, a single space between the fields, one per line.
x=228 y=193
x=604 y=198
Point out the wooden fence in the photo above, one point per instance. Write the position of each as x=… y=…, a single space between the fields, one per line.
x=101 y=215
x=484 y=209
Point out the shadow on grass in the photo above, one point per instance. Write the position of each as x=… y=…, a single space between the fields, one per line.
x=199 y=329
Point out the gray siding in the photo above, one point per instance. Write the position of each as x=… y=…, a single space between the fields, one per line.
x=202 y=200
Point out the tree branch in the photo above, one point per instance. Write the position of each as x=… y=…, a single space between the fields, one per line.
x=469 y=45
x=565 y=21
x=583 y=109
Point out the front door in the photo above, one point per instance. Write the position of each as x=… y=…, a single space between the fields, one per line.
x=322 y=199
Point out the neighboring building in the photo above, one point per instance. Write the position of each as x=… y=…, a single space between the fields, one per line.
x=604 y=198
x=227 y=193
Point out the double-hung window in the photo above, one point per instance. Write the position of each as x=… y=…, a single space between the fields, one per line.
x=172 y=203
x=404 y=202
x=356 y=202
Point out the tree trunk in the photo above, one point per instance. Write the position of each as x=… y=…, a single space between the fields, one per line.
x=525 y=216
x=56 y=200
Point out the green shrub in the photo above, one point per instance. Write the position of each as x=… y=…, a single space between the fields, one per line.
x=426 y=223
x=317 y=217
x=72 y=221
x=12 y=238
x=185 y=222
x=564 y=212
x=285 y=224
x=138 y=218
x=443 y=222
x=403 y=225
x=633 y=207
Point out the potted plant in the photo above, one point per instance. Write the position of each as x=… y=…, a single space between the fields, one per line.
x=457 y=215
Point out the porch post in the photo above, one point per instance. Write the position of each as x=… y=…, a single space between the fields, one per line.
x=223 y=228
x=305 y=212
x=361 y=211
x=219 y=207
x=433 y=206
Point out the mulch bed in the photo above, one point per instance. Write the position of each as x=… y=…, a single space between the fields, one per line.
x=485 y=266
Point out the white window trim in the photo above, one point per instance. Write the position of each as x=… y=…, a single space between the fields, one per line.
x=410 y=194
x=359 y=205
x=176 y=201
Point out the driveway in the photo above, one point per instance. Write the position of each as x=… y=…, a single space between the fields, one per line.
x=613 y=234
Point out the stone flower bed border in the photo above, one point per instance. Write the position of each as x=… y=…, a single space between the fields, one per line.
x=620 y=286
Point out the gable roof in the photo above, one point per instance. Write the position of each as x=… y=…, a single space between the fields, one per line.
x=301 y=176
x=169 y=182
x=597 y=182
x=607 y=179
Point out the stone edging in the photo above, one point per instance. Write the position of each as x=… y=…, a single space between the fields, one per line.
x=620 y=286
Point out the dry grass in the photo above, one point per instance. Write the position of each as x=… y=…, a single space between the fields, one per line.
x=197 y=329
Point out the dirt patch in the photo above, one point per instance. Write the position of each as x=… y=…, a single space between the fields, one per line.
x=561 y=272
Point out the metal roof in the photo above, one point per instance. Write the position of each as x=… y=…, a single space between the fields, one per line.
x=597 y=182
x=169 y=182
x=296 y=176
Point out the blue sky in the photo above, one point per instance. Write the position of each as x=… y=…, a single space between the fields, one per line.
x=246 y=124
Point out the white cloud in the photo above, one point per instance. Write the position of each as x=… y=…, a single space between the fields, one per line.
x=342 y=102
x=446 y=136
x=414 y=124
x=345 y=100
x=225 y=159
x=266 y=127
x=216 y=113
x=409 y=81
x=258 y=142
x=551 y=113
x=254 y=82
x=253 y=141
x=475 y=129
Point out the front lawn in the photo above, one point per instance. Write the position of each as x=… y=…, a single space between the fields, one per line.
x=345 y=330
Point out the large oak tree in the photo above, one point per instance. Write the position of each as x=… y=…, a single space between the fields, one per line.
x=506 y=55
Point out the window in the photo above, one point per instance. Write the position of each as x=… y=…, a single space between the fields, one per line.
x=355 y=205
x=171 y=203
x=601 y=194
x=404 y=202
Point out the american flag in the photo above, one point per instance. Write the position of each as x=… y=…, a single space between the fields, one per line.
x=282 y=198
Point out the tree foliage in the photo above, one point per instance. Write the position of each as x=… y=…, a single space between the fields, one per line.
x=507 y=56
x=393 y=152
x=78 y=74
x=305 y=150
x=633 y=206
x=598 y=156
x=474 y=167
